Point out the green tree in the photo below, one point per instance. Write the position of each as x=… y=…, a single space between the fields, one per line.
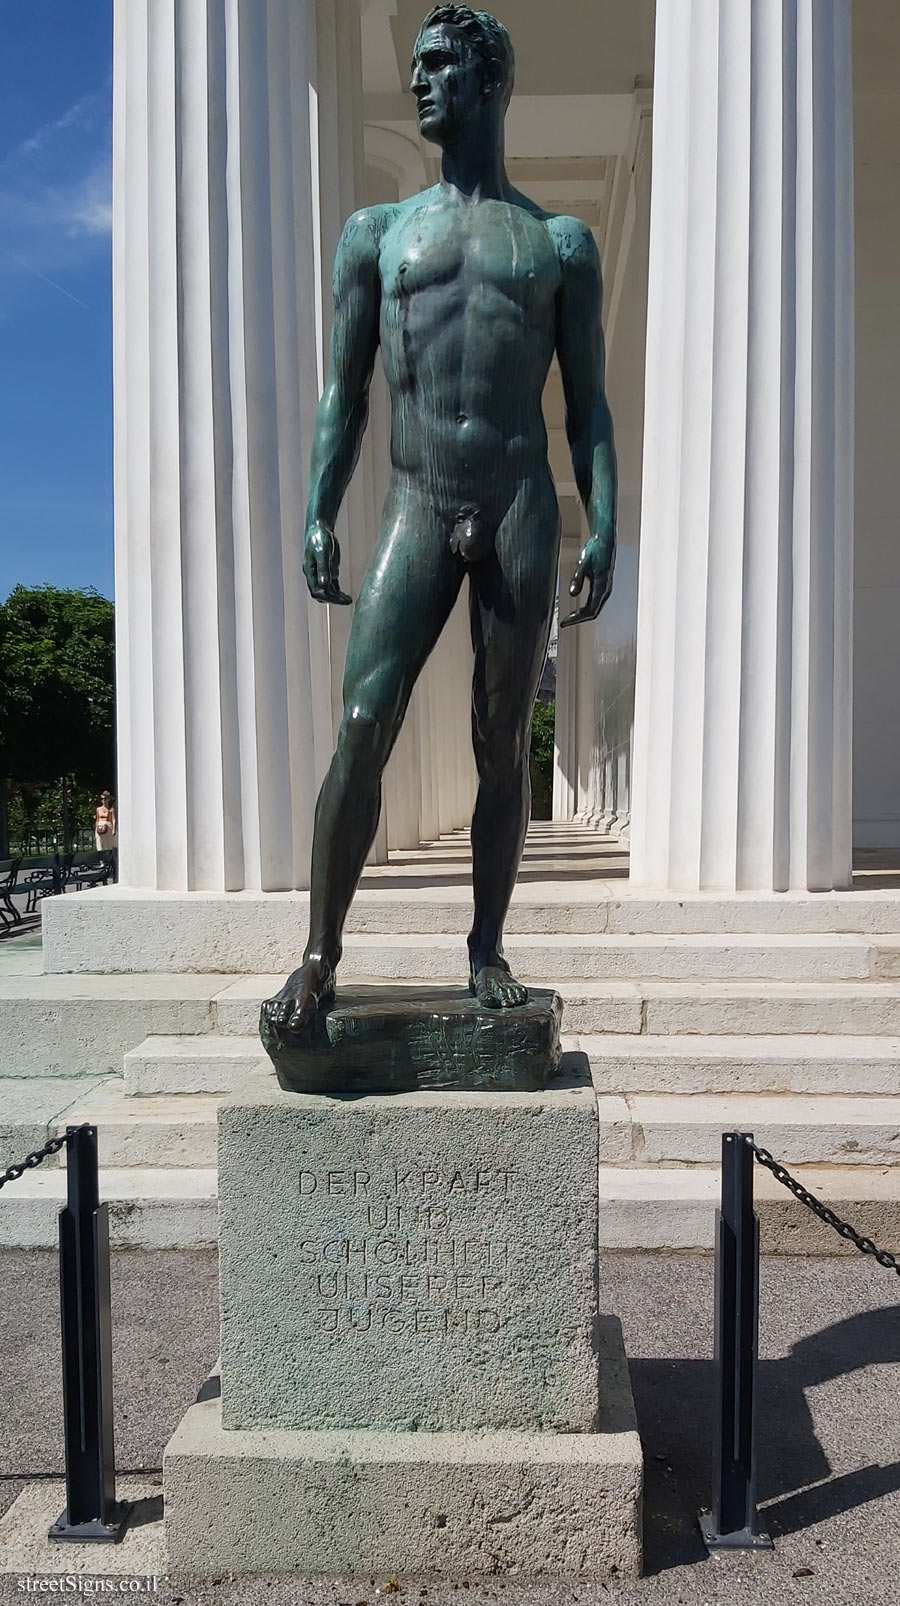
x=543 y=725
x=56 y=689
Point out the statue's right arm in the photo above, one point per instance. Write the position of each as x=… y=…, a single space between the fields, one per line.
x=344 y=405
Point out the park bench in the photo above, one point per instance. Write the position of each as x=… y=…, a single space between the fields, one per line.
x=9 y=869
x=36 y=878
x=88 y=869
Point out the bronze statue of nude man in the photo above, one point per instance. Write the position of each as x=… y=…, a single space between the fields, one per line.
x=468 y=288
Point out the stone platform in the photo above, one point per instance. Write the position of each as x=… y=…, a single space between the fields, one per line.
x=410 y=916
x=414 y=1373
x=455 y=1504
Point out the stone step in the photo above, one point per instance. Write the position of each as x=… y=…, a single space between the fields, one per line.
x=218 y=1062
x=621 y=1063
x=808 y=1064
x=588 y=1006
x=213 y=1063
x=166 y=1208
x=655 y=1208
x=27 y=1106
x=640 y=1208
x=265 y=932
x=166 y=1129
x=163 y=1130
x=71 y=1026
x=83 y=1024
x=565 y=957
x=758 y=1008
x=673 y=1130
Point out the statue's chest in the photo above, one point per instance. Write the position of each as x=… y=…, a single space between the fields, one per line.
x=499 y=249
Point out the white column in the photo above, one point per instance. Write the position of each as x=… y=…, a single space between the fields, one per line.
x=222 y=665
x=463 y=782
x=585 y=719
x=742 y=720
x=342 y=192
x=594 y=674
x=564 y=725
x=422 y=710
x=565 y=731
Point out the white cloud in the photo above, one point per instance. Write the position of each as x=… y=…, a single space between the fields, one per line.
x=51 y=215
x=87 y=113
x=85 y=207
x=55 y=188
x=91 y=212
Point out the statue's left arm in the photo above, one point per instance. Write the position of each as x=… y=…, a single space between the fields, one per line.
x=582 y=360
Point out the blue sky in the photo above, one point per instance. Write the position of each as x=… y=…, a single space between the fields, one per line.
x=55 y=307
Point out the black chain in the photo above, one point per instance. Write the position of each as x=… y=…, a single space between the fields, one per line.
x=843 y=1228
x=864 y=1245
x=13 y=1172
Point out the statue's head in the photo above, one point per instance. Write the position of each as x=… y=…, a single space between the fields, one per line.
x=462 y=63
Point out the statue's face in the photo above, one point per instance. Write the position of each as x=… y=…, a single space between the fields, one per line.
x=446 y=82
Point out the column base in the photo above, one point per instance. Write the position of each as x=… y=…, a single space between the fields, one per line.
x=360 y=1501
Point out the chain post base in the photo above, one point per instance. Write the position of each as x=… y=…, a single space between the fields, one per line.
x=742 y=1539
x=93 y=1532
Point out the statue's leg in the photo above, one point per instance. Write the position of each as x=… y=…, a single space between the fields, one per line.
x=511 y=607
x=406 y=597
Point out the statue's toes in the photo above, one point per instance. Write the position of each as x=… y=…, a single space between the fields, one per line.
x=509 y=996
x=301 y=1014
x=289 y=1014
x=497 y=989
x=485 y=993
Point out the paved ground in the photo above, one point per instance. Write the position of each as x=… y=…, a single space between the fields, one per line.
x=829 y=1429
x=20 y=950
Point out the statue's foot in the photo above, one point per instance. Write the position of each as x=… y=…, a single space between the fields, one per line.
x=494 y=984
x=308 y=990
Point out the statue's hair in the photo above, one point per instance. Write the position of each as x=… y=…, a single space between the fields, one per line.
x=489 y=41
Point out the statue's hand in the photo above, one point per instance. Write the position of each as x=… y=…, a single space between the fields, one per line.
x=321 y=564
x=595 y=565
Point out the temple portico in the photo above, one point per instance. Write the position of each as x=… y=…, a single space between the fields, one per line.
x=244 y=135
x=716 y=897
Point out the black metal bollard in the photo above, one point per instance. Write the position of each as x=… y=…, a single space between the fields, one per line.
x=92 y=1512
x=733 y=1523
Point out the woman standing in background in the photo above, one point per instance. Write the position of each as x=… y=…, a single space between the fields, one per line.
x=105 y=836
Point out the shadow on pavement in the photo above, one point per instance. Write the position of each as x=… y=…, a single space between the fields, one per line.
x=147 y=1510
x=27 y=926
x=675 y=1402
x=831 y=1499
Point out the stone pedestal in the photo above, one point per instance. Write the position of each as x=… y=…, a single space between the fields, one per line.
x=414 y=1373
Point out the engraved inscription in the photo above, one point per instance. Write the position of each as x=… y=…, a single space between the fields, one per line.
x=420 y=1251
